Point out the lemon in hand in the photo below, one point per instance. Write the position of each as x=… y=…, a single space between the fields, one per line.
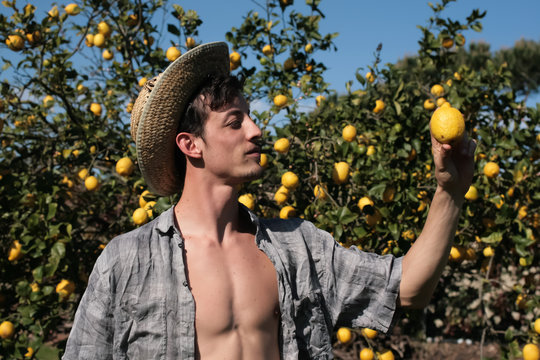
x=447 y=125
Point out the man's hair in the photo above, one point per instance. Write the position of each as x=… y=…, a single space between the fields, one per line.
x=214 y=94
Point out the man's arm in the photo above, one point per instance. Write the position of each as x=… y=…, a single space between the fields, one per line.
x=424 y=262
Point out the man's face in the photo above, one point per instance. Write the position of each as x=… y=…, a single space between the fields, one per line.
x=230 y=151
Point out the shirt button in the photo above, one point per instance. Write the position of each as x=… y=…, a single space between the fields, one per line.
x=180 y=245
x=185 y=283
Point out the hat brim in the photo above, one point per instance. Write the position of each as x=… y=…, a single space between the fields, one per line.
x=158 y=124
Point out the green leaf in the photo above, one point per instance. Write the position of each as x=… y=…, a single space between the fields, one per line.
x=58 y=250
x=493 y=238
x=173 y=29
x=52 y=210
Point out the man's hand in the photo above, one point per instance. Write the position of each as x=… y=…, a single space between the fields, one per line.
x=454 y=165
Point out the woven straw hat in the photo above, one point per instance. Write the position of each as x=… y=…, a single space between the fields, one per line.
x=159 y=107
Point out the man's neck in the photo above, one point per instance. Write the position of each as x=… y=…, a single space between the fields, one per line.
x=208 y=211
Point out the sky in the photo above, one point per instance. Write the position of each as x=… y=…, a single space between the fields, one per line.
x=363 y=24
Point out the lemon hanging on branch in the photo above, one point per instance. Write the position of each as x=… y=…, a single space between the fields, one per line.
x=447 y=125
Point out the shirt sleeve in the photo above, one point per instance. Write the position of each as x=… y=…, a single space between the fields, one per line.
x=361 y=288
x=91 y=336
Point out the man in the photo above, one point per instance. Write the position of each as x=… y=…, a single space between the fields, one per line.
x=208 y=279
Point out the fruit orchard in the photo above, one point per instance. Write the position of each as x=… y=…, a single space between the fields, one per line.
x=358 y=165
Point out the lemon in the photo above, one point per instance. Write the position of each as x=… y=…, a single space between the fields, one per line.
x=522 y=213
x=140 y=216
x=7 y=330
x=441 y=102
x=72 y=9
x=369 y=333
x=491 y=169
x=488 y=251
x=91 y=183
x=319 y=192
x=308 y=48
x=142 y=200
x=48 y=101
x=437 y=90
x=447 y=43
x=172 y=53
x=29 y=352
x=349 y=133
x=370 y=150
x=289 y=180
x=125 y=166
x=234 y=66
x=287 y=212
x=366 y=354
x=281 y=195
x=107 y=54
x=531 y=352
x=470 y=254
x=15 y=42
x=319 y=99
x=95 y=109
x=132 y=20
x=364 y=201
x=104 y=29
x=340 y=172
x=263 y=161
x=455 y=254
x=282 y=145
x=280 y=100
x=142 y=81
x=472 y=193
x=447 y=125
x=268 y=50
x=83 y=174
x=537 y=326
x=408 y=235
x=190 y=42
x=344 y=335
x=248 y=200
x=15 y=252
x=65 y=288
x=89 y=40
x=429 y=104
x=148 y=207
x=34 y=287
x=389 y=194
x=235 y=57
x=388 y=355
x=379 y=106
x=99 y=40
x=53 y=12
x=457 y=76
x=370 y=77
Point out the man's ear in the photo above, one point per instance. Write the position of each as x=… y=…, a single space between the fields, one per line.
x=188 y=144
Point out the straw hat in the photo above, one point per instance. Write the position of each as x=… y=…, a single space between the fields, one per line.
x=159 y=107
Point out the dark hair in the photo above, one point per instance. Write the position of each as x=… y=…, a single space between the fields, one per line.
x=214 y=94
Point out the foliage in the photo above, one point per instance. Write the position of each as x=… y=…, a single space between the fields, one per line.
x=62 y=226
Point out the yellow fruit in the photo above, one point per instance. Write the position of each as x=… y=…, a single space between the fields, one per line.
x=389 y=194
x=248 y=200
x=280 y=100
x=472 y=193
x=7 y=330
x=287 y=212
x=99 y=40
x=95 y=109
x=447 y=125
x=456 y=254
x=140 y=216
x=91 y=183
x=370 y=77
x=34 y=287
x=125 y=166
x=104 y=29
x=15 y=252
x=388 y=355
x=344 y=335
x=235 y=58
x=319 y=192
x=142 y=81
x=340 y=172
x=15 y=42
x=379 y=106
x=263 y=161
x=142 y=200
x=449 y=82
x=173 y=53
x=289 y=180
x=281 y=195
x=441 y=101
x=349 y=133
x=129 y=108
x=370 y=150
x=148 y=207
x=408 y=235
x=366 y=354
x=190 y=42
x=89 y=40
x=267 y=50
x=429 y=104
x=53 y=12
x=132 y=20
x=537 y=326
x=83 y=174
x=369 y=333
x=72 y=9
x=491 y=169
x=488 y=251
x=531 y=352
x=65 y=288
x=48 y=101
x=29 y=9
x=364 y=201
x=437 y=90
x=282 y=145
x=457 y=76
x=522 y=213
x=107 y=55
x=29 y=352
x=319 y=99
x=448 y=43
x=308 y=48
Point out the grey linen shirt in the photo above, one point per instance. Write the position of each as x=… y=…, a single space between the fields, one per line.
x=138 y=304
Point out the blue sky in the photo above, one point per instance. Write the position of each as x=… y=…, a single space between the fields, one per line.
x=362 y=24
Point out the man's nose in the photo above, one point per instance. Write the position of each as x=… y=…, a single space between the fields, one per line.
x=254 y=131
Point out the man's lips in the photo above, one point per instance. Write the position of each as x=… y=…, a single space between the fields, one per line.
x=256 y=151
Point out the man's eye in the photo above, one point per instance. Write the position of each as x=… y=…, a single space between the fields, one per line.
x=237 y=124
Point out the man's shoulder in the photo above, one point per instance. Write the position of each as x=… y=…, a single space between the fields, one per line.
x=295 y=230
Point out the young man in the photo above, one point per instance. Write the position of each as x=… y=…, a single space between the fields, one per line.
x=208 y=279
